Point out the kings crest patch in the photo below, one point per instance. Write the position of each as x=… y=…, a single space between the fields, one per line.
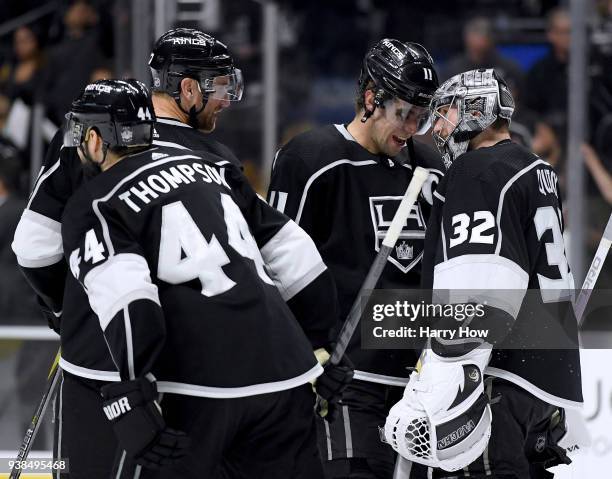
x=408 y=250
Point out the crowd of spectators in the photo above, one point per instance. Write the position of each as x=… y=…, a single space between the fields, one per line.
x=46 y=62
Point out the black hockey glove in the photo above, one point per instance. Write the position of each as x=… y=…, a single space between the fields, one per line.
x=330 y=385
x=139 y=425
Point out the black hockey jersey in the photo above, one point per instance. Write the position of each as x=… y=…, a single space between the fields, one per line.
x=189 y=272
x=38 y=246
x=497 y=230
x=172 y=133
x=345 y=197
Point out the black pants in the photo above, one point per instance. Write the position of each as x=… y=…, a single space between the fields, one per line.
x=351 y=446
x=269 y=436
x=83 y=435
x=522 y=442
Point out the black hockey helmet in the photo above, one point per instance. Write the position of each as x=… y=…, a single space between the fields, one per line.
x=120 y=110
x=188 y=53
x=401 y=70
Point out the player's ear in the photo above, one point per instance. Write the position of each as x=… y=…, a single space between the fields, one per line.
x=368 y=100
x=187 y=87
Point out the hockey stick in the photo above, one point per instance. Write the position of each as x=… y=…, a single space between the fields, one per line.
x=593 y=273
x=30 y=435
x=419 y=177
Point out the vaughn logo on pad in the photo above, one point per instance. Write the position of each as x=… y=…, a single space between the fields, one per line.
x=408 y=250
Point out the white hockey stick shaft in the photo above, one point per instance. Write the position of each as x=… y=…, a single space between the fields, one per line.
x=419 y=177
x=593 y=273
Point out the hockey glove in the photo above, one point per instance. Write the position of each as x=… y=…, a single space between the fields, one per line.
x=444 y=418
x=330 y=385
x=139 y=425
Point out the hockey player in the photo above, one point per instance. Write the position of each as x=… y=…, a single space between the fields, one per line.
x=190 y=275
x=85 y=361
x=343 y=183
x=495 y=237
x=194 y=80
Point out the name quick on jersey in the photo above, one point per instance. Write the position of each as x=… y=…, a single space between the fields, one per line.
x=167 y=180
x=547 y=182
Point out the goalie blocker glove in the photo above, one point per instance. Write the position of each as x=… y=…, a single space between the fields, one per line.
x=444 y=418
x=139 y=425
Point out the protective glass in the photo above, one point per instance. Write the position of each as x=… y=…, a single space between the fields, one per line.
x=224 y=87
x=401 y=113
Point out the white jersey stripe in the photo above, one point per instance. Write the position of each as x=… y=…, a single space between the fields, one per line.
x=170 y=387
x=292 y=260
x=503 y=194
x=98 y=375
x=37 y=241
x=41 y=179
x=169 y=144
x=113 y=285
x=527 y=386
x=319 y=173
x=485 y=277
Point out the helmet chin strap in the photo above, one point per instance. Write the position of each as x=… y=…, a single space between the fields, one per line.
x=90 y=167
x=379 y=99
x=192 y=113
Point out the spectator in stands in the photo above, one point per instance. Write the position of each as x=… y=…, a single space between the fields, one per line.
x=546 y=83
x=598 y=171
x=480 y=52
x=17 y=304
x=19 y=77
x=72 y=61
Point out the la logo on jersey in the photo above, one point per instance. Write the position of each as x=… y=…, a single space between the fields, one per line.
x=408 y=250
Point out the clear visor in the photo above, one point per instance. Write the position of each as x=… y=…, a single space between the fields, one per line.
x=415 y=119
x=124 y=134
x=73 y=132
x=224 y=87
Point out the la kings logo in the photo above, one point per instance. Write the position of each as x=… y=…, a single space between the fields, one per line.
x=408 y=250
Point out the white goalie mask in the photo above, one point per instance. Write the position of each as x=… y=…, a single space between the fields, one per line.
x=480 y=97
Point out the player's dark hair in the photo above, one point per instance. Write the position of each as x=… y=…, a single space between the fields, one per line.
x=360 y=95
x=501 y=124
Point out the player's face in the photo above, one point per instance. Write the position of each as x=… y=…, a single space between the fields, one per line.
x=207 y=119
x=445 y=121
x=390 y=134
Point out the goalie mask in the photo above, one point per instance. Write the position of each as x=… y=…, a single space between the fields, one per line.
x=120 y=111
x=403 y=79
x=480 y=97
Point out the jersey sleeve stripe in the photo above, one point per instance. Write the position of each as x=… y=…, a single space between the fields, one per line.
x=482 y=277
x=83 y=372
x=502 y=195
x=292 y=259
x=318 y=173
x=129 y=342
x=38 y=241
x=112 y=286
x=439 y=196
x=40 y=181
